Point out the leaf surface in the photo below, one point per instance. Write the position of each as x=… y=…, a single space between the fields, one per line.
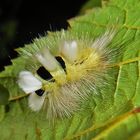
x=114 y=114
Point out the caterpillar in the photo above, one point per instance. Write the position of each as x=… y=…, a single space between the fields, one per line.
x=76 y=70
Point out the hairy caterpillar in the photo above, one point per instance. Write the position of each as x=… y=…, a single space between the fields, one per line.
x=84 y=64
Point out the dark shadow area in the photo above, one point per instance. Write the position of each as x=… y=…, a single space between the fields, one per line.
x=23 y=20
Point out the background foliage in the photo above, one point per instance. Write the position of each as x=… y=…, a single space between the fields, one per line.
x=114 y=114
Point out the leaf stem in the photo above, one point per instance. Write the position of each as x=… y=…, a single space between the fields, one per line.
x=109 y=125
x=17 y=97
x=125 y=62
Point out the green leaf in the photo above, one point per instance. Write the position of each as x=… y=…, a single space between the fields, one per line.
x=113 y=115
x=4 y=95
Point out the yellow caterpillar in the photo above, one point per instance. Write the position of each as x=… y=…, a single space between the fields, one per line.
x=70 y=83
